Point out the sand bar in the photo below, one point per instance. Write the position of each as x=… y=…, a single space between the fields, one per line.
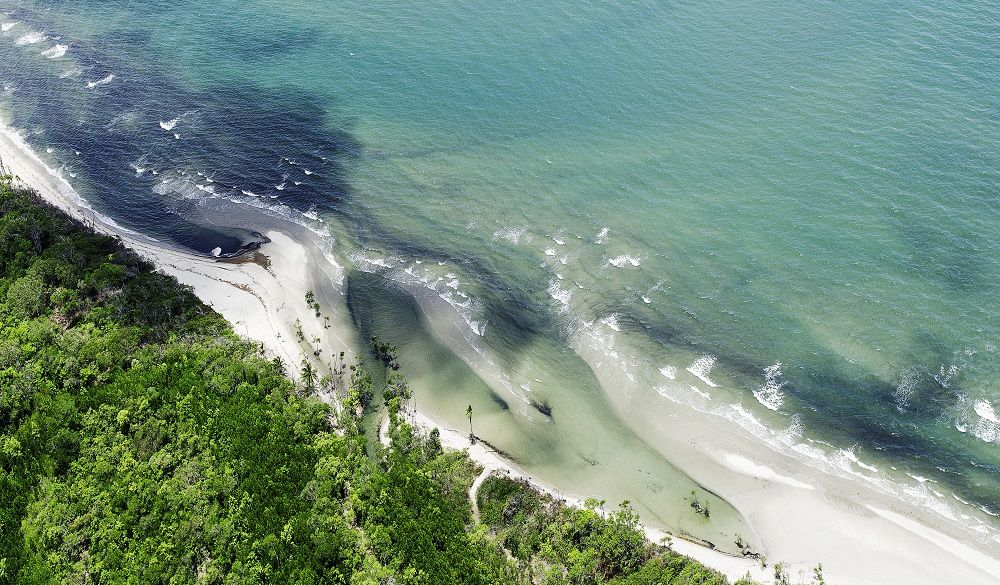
x=802 y=516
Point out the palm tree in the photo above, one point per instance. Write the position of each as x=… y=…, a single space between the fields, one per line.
x=468 y=413
x=308 y=377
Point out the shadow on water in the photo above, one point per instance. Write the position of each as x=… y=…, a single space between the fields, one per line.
x=848 y=408
x=246 y=141
x=567 y=428
x=380 y=309
x=151 y=148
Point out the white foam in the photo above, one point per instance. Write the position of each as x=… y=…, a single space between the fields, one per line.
x=848 y=456
x=55 y=51
x=791 y=441
x=64 y=187
x=182 y=187
x=664 y=392
x=979 y=418
x=646 y=299
x=370 y=263
x=700 y=392
x=308 y=172
x=103 y=81
x=945 y=376
x=280 y=187
x=169 y=124
x=450 y=296
x=602 y=236
x=985 y=410
x=669 y=372
x=611 y=321
x=216 y=252
x=745 y=466
x=624 y=260
x=702 y=367
x=32 y=38
x=6 y=26
x=550 y=252
x=906 y=388
x=249 y=193
x=510 y=235
x=770 y=394
x=559 y=294
x=420 y=277
x=558 y=241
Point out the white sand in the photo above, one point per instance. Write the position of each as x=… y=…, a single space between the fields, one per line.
x=800 y=515
x=732 y=567
x=261 y=303
x=741 y=464
x=803 y=515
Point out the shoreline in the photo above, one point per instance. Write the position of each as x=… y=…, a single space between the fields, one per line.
x=887 y=542
x=731 y=566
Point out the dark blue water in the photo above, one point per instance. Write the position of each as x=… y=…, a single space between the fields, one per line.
x=798 y=201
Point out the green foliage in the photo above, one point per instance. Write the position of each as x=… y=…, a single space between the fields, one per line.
x=557 y=544
x=818 y=578
x=699 y=506
x=311 y=302
x=24 y=296
x=142 y=442
x=385 y=353
x=780 y=574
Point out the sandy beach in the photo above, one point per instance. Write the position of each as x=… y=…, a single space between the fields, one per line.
x=802 y=515
x=262 y=299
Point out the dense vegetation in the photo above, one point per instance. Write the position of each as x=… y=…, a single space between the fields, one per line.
x=141 y=441
x=550 y=541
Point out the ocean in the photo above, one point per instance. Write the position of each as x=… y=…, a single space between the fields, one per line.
x=573 y=215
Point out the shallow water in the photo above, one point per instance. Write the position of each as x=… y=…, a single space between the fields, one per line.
x=791 y=207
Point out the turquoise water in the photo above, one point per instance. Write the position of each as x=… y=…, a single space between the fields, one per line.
x=799 y=201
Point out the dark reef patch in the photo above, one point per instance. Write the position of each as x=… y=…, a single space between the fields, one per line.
x=380 y=308
x=235 y=139
x=543 y=407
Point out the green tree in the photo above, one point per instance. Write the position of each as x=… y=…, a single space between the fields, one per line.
x=308 y=373
x=25 y=296
x=468 y=413
x=142 y=441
